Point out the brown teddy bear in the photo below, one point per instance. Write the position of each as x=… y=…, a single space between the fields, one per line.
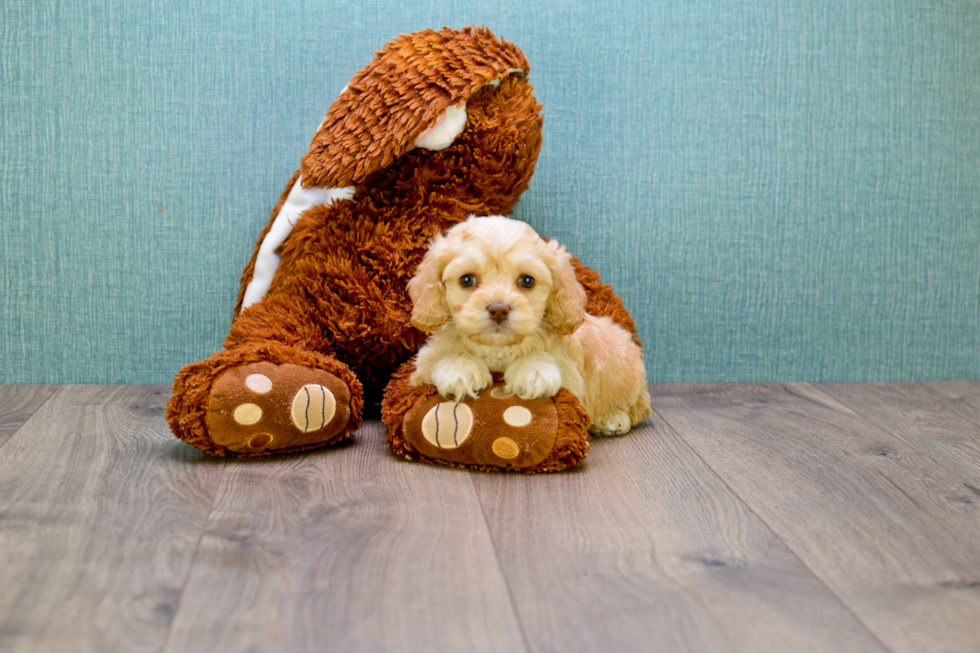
x=441 y=125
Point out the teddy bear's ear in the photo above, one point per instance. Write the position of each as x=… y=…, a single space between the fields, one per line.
x=399 y=95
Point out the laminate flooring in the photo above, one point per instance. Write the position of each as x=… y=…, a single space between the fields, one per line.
x=742 y=517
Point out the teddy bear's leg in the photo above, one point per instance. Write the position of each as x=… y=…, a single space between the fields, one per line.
x=494 y=432
x=272 y=390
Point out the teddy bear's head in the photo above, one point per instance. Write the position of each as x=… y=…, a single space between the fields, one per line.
x=450 y=100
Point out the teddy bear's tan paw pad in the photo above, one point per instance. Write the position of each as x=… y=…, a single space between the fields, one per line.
x=265 y=407
x=313 y=407
x=447 y=425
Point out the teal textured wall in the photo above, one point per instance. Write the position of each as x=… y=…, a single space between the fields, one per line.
x=779 y=191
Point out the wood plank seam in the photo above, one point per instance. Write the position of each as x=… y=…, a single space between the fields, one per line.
x=99 y=517
x=650 y=544
x=910 y=442
x=57 y=389
x=193 y=562
x=956 y=407
x=967 y=401
x=337 y=533
x=789 y=548
x=500 y=567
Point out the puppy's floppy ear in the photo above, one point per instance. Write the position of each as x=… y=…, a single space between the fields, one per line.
x=565 y=309
x=430 y=311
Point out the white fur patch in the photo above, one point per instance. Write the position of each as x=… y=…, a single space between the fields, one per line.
x=511 y=71
x=451 y=122
x=446 y=128
x=267 y=262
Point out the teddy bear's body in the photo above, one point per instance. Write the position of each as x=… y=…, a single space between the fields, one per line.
x=326 y=330
x=349 y=261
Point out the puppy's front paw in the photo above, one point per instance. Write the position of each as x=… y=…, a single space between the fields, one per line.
x=461 y=377
x=532 y=378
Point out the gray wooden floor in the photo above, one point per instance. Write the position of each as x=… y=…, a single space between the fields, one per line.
x=739 y=518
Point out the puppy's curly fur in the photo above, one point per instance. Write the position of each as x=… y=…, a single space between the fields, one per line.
x=496 y=297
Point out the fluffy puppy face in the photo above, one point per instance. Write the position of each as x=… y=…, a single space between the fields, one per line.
x=498 y=281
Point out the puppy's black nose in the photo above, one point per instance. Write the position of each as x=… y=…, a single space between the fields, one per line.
x=498 y=311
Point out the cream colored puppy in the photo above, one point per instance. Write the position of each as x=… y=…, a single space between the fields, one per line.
x=499 y=298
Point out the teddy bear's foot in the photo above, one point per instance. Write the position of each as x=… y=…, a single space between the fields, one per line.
x=265 y=408
x=263 y=398
x=496 y=431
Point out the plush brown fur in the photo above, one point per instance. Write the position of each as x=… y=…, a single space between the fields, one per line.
x=410 y=83
x=338 y=301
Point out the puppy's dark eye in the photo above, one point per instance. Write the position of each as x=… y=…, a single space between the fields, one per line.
x=525 y=281
x=467 y=280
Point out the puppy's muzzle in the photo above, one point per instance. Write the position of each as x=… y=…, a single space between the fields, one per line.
x=498 y=311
